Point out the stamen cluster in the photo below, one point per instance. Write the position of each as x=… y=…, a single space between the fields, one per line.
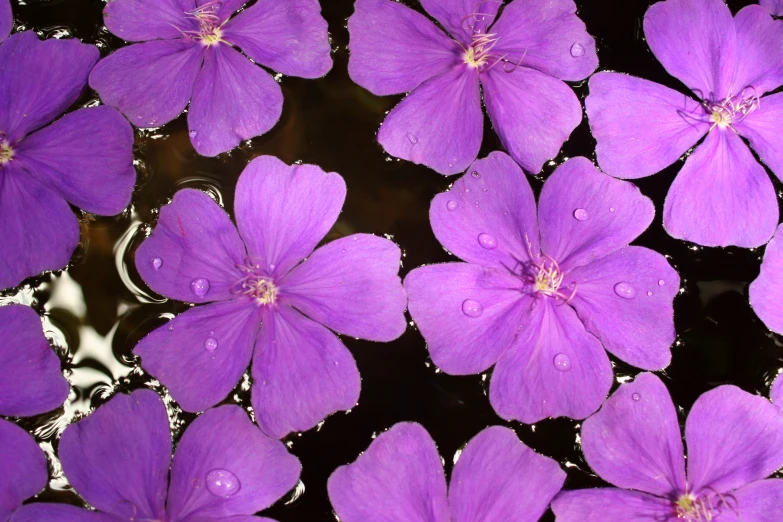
x=479 y=54
x=733 y=109
x=6 y=152
x=546 y=276
x=207 y=17
x=255 y=285
x=705 y=508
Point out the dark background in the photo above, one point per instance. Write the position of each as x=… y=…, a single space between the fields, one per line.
x=99 y=308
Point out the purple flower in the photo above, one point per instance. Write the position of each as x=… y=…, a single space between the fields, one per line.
x=519 y=61
x=773 y=6
x=540 y=305
x=734 y=439
x=30 y=378
x=118 y=460
x=6 y=19
x=253 y=277
x=189 y=54
x=44 y=168
x=400 y=478
x=24 y=468
x=722 y=196
x=767 y=289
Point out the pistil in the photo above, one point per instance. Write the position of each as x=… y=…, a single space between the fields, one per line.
x=732 y=109
x=6 y=152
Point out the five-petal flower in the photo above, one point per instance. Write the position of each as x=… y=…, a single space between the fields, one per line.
x=520 y=61
x=400 y=478
x=540 y=305
x=735 y=441
x=722 y=196
x=188 y=54
x=118 y=459
x=301 y=371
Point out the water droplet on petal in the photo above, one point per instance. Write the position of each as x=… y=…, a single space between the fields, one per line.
x=193 y=134
x=581 y=214
x=475 y=174
x=562 y=362
x=222 y=483
x=157 y=263
x=413 y=139
x=211 y=344
x=488 y=241
x=200 y=286
x=649 y=293
x=661 y=282
x=452 y=205
x=625 y=290
x=171 y=327
x=611 y=209
x=271 y=267
x=577 y=50
x=472 y=308
x=636 y=397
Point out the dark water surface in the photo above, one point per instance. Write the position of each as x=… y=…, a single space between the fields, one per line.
x=99 y=308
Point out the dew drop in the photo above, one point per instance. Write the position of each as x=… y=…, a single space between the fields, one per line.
x=211 y=344
x=157 y=263
x=475 y=174
x=625 y=290
x=649 y=293
x=577 y=50
x=452 y=205
x=413 y=139
x=193 y=134
x=200 y=286
x=636 y=397
x=171 y=328
x=488 y=241
x=612 y=210
x=222 y=483
x=661 y=282
x=472 y=308
x=581 y=214
x=562 y=362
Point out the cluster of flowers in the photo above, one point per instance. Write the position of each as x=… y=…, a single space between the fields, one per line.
x=544 y=290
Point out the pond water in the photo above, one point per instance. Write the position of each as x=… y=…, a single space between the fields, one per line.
x=99 y=307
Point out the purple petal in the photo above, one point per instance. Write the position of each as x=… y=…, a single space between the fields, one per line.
x=546 y=35
x=497 y=479
x=30 y=377
x=200 y=355
x=225 y=465
x=760 y=501
x=225 y=8
x=468 y=314
x=40 y=80
x=194 y=241
x=733 y=438
x=489 y=216
x=766 y=291
x=760 y=44
x=706 y=29
x=24 y=468
x=284 y=211
x=533 y=113
x=95 y=176
x=634 y=442
x=292 y=37
x=384 y=36
x=440 y=124
x=163 y=73
x=140 y=20
x=6 y=19
x=640 y=127
x=351 y=285
x=722 y=196
x=626 y=300
x=301 y=374
x=47 y=236
x=763 y=128
x=60 y=513
x=399 y=477
x=775 y=7
x=233 y=100
x=585 y=214
x=462 y=18
x=604 y=504
x=554 y=368
x=118 y=457
x=776 y=392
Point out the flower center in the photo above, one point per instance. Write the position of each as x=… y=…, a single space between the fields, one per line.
x=255 y=285
x=705 y=508
x=733 y=109
x=546 y=276
x=209 y=32
x=6 y=152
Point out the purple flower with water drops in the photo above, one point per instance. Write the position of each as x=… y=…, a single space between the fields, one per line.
x=119 y=459
x=24 y=468
x=722 y=196
x=45 y=166
x=773 y=6
x=400 y=478
x=766 y=290
x=190 y=52
x=519 y=61
x=6 y=19
x=734 y=440
x=542 y=296
x=265 y=303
